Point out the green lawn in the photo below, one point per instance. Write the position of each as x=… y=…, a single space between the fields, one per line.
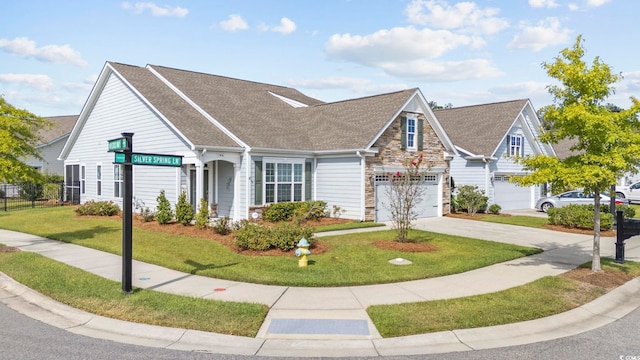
x=543 y=297
x=98 y=295
x=351 y=259
x=529 y=221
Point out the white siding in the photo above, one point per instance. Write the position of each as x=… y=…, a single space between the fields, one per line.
x=119 y=110
x=465 y=172
x=338 y=182
x=49 y=163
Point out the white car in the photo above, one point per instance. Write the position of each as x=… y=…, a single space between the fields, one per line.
x=630 y=192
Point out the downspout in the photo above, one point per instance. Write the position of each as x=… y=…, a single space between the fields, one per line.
x=363 y=184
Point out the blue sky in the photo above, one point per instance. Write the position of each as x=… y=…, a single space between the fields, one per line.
x=456 y=52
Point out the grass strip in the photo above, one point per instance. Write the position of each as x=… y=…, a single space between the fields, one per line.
x=520 y=220
x=101 y=296
x=347 y=226
x=543 y=297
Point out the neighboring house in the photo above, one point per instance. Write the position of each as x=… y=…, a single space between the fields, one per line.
x=488 y=137
x=53 y=140
x=247 y=144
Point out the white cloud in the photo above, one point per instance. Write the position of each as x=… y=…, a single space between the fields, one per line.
x=156 y=10
x=587 y=4
x=444 y=71
x=399 y=44
x=464 y=16
x=36 y=81
x=235 y=23
x=354 y=85
x=523 y=89
x=543 y=3
x=286 y=27
x=597 y=3
x=57 y=54
x=545 y=33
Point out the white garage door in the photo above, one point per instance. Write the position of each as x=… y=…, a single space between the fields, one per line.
x=510 y=196
x=428 y=207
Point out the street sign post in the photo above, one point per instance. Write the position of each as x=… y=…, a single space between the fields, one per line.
x=124 y=155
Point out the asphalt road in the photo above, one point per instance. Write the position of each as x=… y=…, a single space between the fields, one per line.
x=22 y=338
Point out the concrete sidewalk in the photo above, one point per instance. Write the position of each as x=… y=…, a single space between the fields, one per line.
x=333 y=321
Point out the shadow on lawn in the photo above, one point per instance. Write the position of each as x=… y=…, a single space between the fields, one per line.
x=83 y=234
x=202 y=267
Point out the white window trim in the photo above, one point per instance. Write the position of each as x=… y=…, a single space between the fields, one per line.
x=99 y=182
x=276 y=161
x=513 y=147
x=119 y=182
x=83 y=179
x=413 y=147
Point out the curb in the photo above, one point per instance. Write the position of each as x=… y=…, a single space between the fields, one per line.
x=604 y=310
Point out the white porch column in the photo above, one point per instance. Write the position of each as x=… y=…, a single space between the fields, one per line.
x=199 y=182
x=236 y=213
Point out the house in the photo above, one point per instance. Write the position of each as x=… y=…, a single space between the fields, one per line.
x=247 y=144
x=53 y=139
x=488 y=137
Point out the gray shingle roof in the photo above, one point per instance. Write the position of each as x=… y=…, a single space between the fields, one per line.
x=250 y=111
x=61 y=126
x=198 y=129
x=480 y=128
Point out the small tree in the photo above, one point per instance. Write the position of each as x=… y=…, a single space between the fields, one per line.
x=184 y=211
x=405 y=193
x=202 y=217
x=606 y=142
x=164 y=214
x=19 y=136
x=472 y=199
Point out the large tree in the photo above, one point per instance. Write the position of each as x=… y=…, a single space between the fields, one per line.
x=19 y=136
x=606 y=142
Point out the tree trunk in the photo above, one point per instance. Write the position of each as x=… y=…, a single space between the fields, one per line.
x=595 y=262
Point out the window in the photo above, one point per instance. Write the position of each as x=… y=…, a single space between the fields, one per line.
x=99 y=180
x=516 y=146
x=411 y=133
x=283 y=181
x=83 y=175
x=117 y=180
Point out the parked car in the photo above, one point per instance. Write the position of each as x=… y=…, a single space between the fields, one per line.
x=630 y=192
x=573 y=197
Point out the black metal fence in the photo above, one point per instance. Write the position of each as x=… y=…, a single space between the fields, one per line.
x=27 y=195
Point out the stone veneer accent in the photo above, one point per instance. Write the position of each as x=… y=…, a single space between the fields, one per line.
x=390 y=154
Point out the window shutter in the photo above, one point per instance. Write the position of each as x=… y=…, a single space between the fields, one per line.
x=307 y=181
x=522 y=146
x=508 y=145
x=420 y=134
x=403 y=136
x=258 y=183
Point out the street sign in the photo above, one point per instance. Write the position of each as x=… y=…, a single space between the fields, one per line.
x=118 y=144
x=150 y=159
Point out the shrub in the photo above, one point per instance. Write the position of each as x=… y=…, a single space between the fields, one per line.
x=472 y=199
x=222 y=225
x=98 y=208
x=51 y=192
x=184 y=211
x=579 y=217
x=164 y=214
x=628 y=211
x=147 y=215
x=202 y=217
x=283 y=236
x=279 y=212
x=253 y=237
x=285 y=211
x=494 y=209
x=2 y=193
